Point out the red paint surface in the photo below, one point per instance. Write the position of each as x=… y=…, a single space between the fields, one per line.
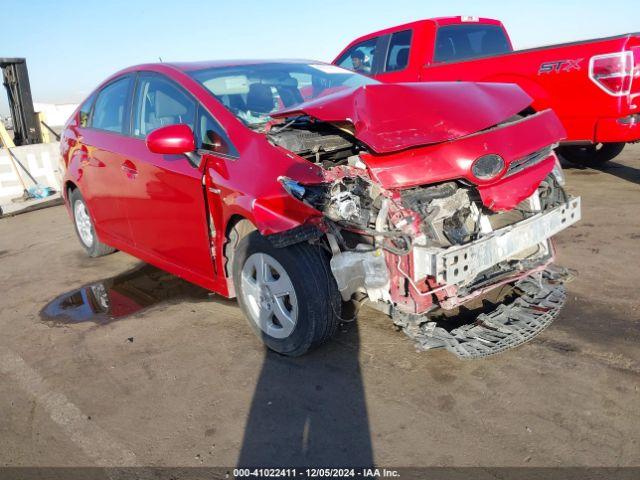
x=395 y=117
x=508 y=192
x=581 y=105
x=453 y=160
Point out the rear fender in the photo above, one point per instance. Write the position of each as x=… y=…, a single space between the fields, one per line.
x=78 y=158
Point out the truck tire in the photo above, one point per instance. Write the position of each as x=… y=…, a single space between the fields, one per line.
x=288 y=295
x=84 y=227
x=591 y=155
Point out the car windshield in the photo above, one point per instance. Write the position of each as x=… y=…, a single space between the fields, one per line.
x=253 y=92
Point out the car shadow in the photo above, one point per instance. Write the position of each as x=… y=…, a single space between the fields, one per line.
x=624 y=172
x=310 y=411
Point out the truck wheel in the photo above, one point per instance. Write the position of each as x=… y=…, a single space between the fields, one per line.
x=591 y=155
x=288 y=295
x=84 y=227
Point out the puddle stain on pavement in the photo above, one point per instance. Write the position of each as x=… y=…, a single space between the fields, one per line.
x=120 y=296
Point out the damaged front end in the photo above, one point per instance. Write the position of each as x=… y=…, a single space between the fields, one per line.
x=451 y=237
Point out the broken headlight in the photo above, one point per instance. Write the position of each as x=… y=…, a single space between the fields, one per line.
x=344 y=200
x=313 y=195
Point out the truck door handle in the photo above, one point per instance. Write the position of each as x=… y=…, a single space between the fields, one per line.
x=129 y=169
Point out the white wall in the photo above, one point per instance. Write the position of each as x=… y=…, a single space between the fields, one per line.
x=43 y=162
x=56 y=115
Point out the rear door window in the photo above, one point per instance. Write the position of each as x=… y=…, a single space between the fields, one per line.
x=359 y=58
x=460 y=42
x=85 y=110
x=111 y=108
x=398 y=52
x=159 y=102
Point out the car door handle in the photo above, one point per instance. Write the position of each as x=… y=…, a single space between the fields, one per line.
x=129 y=169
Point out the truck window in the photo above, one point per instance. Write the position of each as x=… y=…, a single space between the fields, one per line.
x=458 y=42
x=398 y=53
x=359 y=58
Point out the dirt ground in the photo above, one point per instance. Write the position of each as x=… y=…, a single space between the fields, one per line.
x=184 y=382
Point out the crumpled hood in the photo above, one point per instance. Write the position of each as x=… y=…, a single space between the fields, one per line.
x=392 y=117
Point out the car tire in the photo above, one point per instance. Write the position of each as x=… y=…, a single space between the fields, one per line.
x=288 y=295
x=84 y=227
x=591 y=155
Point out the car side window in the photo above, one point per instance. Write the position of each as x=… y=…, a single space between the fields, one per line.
x=398 y=53
x=211 y=137
x=159 y=102
x=359 y=58
x=85 y=111
x=110 y=109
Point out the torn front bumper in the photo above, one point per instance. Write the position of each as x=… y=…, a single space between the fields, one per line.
x=541 y=299
x=461 y=264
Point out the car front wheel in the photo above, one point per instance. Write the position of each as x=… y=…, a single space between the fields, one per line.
x=288 y=295
x=84 y=227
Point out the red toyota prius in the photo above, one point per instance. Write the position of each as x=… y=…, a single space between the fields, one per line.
x=305 y=189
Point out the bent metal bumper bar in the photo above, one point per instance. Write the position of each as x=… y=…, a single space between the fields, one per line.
x=461 y=264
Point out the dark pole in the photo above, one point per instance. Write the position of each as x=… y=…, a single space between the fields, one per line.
x=16 y=81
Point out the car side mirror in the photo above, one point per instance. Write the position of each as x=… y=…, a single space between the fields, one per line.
x=171 y=140
x=174 y=140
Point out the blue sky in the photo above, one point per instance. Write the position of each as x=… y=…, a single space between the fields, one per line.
x=72 y=45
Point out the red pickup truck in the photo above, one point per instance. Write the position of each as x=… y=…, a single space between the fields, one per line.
x=593 y=85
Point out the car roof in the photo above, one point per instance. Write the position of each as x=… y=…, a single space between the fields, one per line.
x=203 y=65
x=184 y=67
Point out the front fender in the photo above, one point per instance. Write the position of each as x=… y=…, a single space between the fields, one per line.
x=281 y=213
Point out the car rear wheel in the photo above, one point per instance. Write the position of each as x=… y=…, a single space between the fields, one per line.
x=84 y=227
x=591 y=155
x=288 y=295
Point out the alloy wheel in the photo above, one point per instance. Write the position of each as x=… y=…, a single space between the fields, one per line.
x=268 y=292
x=83 y=223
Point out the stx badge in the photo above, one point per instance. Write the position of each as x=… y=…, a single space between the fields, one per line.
x=560 y=66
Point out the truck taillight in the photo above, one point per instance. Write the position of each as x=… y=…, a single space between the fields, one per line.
x=612 y=72
x=636 y=62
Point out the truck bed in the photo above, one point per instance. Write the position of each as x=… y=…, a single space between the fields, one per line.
x=556 y=76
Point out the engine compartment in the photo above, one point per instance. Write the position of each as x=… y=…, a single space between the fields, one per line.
x=318 y=142
x=385 y=242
